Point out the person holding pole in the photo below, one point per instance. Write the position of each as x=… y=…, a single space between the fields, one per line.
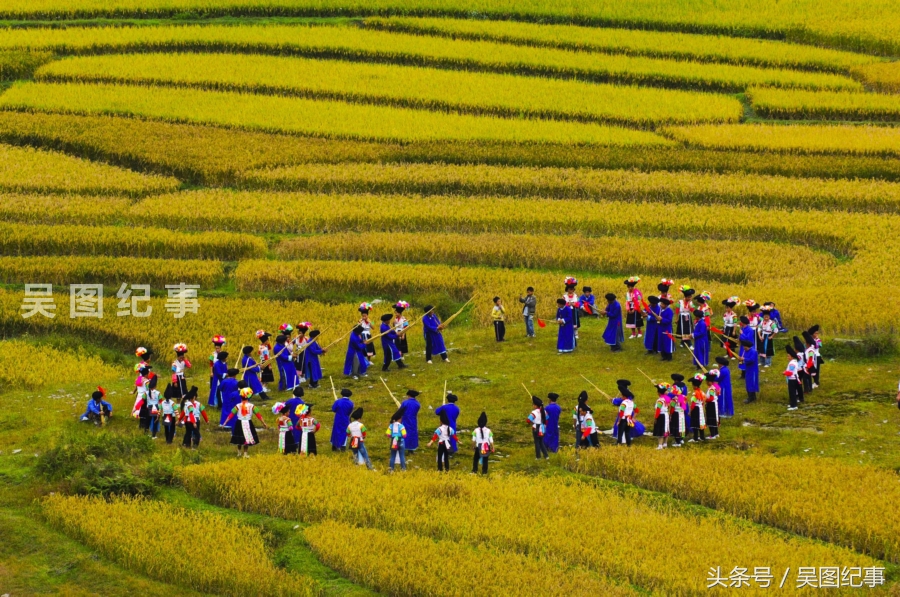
x=450 y=409
x=410 y=420
x=389 y=338
x=342 y=408
x=434 y=340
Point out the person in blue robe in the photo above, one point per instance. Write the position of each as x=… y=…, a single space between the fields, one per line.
x=434 y=339
x=614 y=335
x=565 y=340
x=452 y=411
x=311 y=364
x=230 y=392
x=410 y=420
x=389 y=348
x=97 y=408
x=587 y=300
x=251 y=373
x=664 y=340
x=726 y=399
x=356 y=363
x=701 y=340
x=551 y=433
x=651 y=339
x=287 y=372
x=750 y=359
x=220 y=367
x=775 y=314
x=341 y=408
x=293 y=411
x=747 y=333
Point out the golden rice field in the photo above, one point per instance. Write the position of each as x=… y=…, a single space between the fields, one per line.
x=292 y=159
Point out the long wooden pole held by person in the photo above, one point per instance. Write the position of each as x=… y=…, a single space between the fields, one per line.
x=341 y=338
x=391 y=329
x=455 y=315
x=397 y=402
x=527 y=391
x=444 y=401
x=333 y=391
x=696 y=360
x=650 y=379
x=595 y=387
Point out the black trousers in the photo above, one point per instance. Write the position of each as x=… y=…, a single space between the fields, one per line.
x=499 y=330
x=428 y=348
x=540 y=450
x=816 y=372
x=794 y=392
x=807 y=382
x=699 y=434
x=191 y=435
x=484 y=465
x=443 y=457
x=624 y=432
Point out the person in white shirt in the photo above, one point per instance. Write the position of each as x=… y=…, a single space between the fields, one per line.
x=792 y=373
x=483 y=438
x=356 y=438
x=538 y=420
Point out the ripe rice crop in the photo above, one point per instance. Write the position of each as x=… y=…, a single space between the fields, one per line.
x=403 y=86
x=22 y=366
x=659 y=44
x=29 y=240
x=439 y=568
x=800 y=495
x=371 y=45
x=797 y=138
x=64 y=209
x=824 y=105
x=608 y=254
x=674 y=187
x=137 y=534
x=883 y=76
x=235 y=318
x=109 y=270
x=21 y=65
x=312 y=117
x=23 y=169
x=494 y=514
x=218 y=156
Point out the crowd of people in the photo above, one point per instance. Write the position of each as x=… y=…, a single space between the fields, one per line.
x=680 y=413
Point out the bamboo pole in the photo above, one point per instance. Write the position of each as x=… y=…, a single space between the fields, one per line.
x=397 y=402
x=595 y=387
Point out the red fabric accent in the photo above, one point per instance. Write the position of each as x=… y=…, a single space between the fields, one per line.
x=541 y=323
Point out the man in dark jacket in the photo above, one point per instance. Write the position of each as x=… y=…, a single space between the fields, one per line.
x=530 y=302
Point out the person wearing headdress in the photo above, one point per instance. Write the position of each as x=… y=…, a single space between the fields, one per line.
x=178 y=369
x=678 y=413
x=792 y=373
x=805 y=370
x=411 y=406
x=809 y=354
x=661 y=416
x=814 y=331
x=577 y=419
x=143 y=354
x=537 y=419
x=571 y=301
x=498 y=314
x=149 y=409
x=651 y=338
x=589 y=435
x=230 y=390
x=342 y=408
x=356 y=363
x=218 y=374
x=775 y=315
x=701 y=340
x=684 y=324
x=367 y=325
x=626 y=416
x=663 y=288
x=634 y=307
x=191 y=411
x=287 y=444
x=614 y=335
x=434 y=339
x=251 y=373
x=746 y=334
x=729 y=317
x=98 y=409
x=400 y=323
x=565 y=340
x=767 y=330
x=452 y=411
x=298 y=350
x=529 y=302
x=483 y=438
x=755 y=319
x=750 y=360
x=311 y=362
x=243 y=432
x=551 y=433
x=218 y=342
x=296 y=406
x=726 y=398
x=141 y=388
x=168 y=412
x=287 y=371
x=586 y=302
x=389 y=340
x=397 y=434
x=697 y=404
x=308 y=426
x=444 y=435
x=678 y=382
x=665 y=341
x=265 y=355
x=713 y=391
x=356 y=438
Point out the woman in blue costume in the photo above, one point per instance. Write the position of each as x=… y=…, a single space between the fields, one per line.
x=565 y=340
